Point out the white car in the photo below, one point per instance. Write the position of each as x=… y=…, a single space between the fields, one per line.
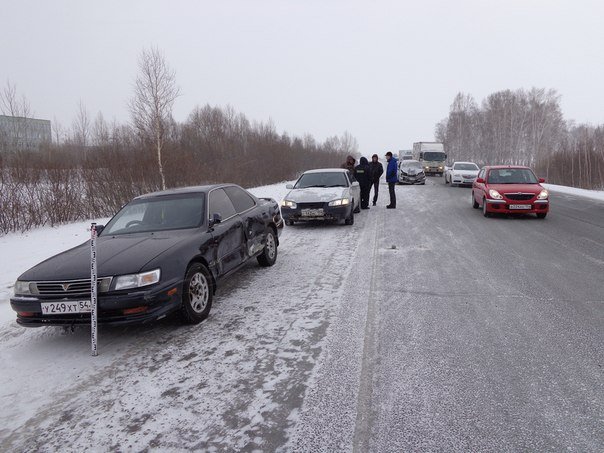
x=461 y=173
x=329 y=194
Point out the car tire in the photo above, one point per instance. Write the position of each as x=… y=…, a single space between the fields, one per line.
x=423 y=183
x=541 y=215
x=289 y=222
x=197 y=294
x=484 y=208
x=350 y=219
x=268 y=257
x=475 y=204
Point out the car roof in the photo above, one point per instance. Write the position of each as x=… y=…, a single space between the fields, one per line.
x=327 y=170
x=464 y=162
x=184 y=190
x=409 y=160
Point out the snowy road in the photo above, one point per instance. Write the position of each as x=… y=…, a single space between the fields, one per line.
x=424 y=328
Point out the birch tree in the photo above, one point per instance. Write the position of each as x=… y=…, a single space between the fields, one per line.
x=155 y=91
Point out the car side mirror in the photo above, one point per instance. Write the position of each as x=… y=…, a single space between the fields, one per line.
x=215 y=220
x=540 y=180
x=480 y=180
x=355 y=184
x=289 y=186
x=99 y=229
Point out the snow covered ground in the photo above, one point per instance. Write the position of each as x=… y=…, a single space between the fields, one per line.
x=593 y=194
x=290 y=354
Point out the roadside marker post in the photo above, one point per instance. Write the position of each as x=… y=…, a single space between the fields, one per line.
x=93 y=290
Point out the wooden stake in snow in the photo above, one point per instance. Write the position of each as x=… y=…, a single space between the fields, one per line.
x=93 y=290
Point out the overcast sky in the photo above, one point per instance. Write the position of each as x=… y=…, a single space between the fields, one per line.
x=384 y=71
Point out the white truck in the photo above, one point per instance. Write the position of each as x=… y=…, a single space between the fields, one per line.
x=432 y=157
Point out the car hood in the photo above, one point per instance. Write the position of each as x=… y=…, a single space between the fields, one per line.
x=514 y=188
x=411 y=170
x=317 y=194
x=116 y=255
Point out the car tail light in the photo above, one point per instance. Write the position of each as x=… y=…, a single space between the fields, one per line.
x=132 y=311
x=26 y=313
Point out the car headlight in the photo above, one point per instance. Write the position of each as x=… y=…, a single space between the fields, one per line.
x=543 y=195
x=137 y=280
x=427 y=168
x=440 y=168
x=495 y=195
x=22 y=288
x=339 y=202
x=289 y=204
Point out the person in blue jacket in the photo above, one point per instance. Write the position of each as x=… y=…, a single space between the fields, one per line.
x=391 y=179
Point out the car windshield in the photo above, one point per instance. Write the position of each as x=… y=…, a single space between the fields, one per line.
x=512 y=176
x=170 y=212
x=411 y=164
x=465 y=167
x=434 y=156
x=326 y=179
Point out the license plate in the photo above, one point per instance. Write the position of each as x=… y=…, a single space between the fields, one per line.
x=66 y=307
x=312 y=212
x=520 y=206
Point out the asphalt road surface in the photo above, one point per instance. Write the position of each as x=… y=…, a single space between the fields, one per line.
x=425 y=328
x=481 y=334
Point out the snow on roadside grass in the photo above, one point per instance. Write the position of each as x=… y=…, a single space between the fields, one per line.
x=593 y=194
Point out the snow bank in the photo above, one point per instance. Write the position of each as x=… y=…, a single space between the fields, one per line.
x=593 y=194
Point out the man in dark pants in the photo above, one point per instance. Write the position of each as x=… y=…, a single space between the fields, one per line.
x=391 y=179
x=375 y=170
x=363 y=176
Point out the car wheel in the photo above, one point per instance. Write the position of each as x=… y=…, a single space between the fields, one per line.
x=197 y=294
x=541 y=215
x=423 y=183
x=484 y=208
x=289 y=222
x=269 y=254
x=350 y=219
x=475 y=204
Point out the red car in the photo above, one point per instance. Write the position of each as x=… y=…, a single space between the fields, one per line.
x=509 y=189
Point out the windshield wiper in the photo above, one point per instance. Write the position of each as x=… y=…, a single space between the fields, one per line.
x=316 y=185
x=336 y=185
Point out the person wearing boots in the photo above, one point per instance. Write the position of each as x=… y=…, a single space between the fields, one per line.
x=363 y=176
x=376 y=171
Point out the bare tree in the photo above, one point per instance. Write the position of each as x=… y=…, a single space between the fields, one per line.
x=81 y=126
x=155 y=91
x=19 y=108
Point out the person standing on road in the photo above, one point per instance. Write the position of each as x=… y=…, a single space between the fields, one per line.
x=362 y=173
x=376 y=171
x=391 y=179
x=349 y=164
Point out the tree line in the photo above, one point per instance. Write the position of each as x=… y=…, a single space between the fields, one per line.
x=525 y=128
x=94 y=167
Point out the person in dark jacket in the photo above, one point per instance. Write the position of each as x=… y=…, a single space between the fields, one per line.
x=391 y=179
x=376 y=171
x=362 y=173
x=349 y=164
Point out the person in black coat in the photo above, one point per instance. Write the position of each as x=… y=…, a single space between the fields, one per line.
x=376 y=170
x=363 y=176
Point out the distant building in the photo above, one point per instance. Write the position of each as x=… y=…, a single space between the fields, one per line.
x=19 y=134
